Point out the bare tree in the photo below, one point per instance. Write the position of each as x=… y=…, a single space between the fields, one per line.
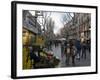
x=44 y=17
x=66 y=18
x=50 y=29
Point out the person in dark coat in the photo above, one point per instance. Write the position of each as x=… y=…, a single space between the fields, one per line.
x=78 y=47
x=34 y=57
x=84 y=49
x=89 y=46
x=72 y=51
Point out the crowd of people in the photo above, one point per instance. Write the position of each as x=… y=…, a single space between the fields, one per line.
x=75 y=49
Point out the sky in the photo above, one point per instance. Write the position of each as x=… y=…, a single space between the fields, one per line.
x=57 y=18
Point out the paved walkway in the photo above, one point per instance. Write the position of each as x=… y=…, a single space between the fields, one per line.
x=81 y=62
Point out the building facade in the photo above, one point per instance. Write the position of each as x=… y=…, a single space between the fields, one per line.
x=31 y=29
x=79 y=27
x=30 y=22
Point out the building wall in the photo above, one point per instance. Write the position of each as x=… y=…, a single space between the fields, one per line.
x=30 y=22
x=79 y=26
x=31 y=28
x=84 y=26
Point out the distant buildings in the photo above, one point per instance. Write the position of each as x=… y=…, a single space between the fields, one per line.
x=79 y=27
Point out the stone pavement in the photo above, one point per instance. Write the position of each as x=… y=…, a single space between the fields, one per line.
x=81 y=62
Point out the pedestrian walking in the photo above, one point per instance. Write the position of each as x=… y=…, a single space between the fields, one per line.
x=89 y=46
x=73 y=54
x=84 y=47
x=67 y=53
x=78 y=47
x=72 y=51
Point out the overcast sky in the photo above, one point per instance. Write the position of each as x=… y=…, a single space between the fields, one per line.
x=57 y=18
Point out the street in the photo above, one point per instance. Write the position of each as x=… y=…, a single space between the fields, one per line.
x=82 y=62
